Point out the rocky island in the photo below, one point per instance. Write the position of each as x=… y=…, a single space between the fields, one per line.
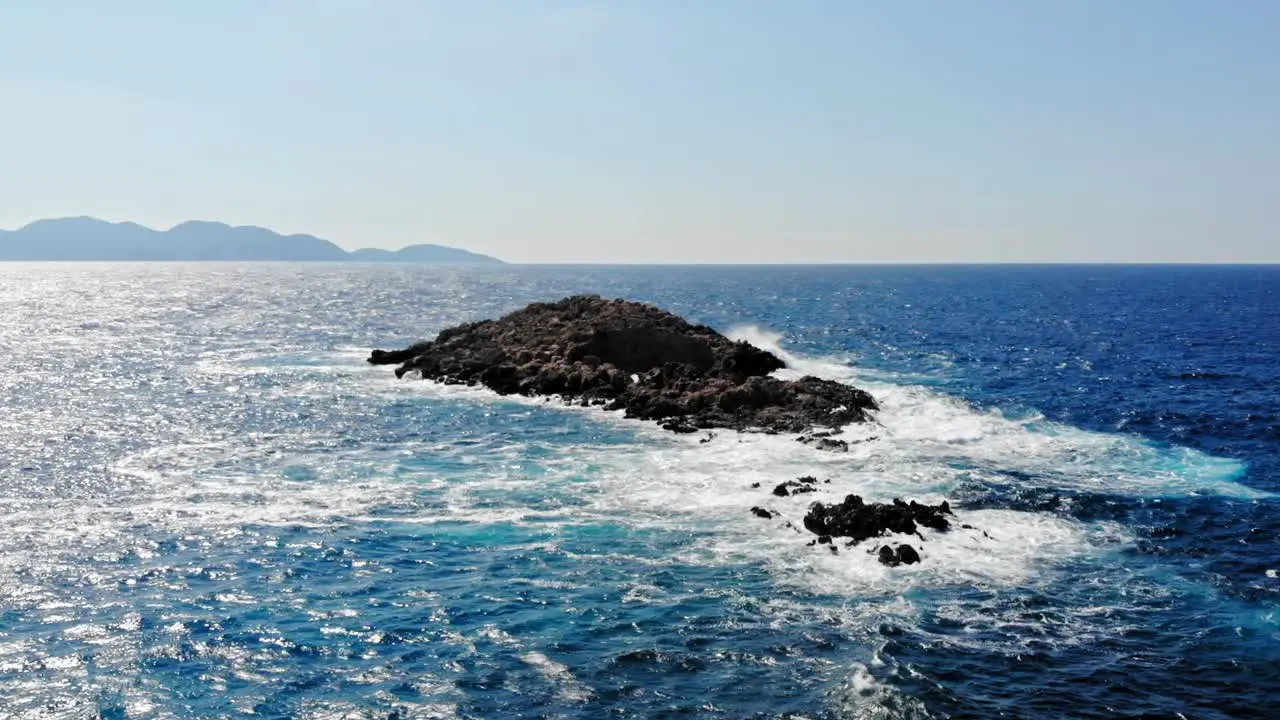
x=636 y=358
x=653 y=365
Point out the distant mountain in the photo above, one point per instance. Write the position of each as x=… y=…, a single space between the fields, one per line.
x=89 y=239
x=420 y=254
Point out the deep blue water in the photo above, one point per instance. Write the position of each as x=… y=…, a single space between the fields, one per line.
x=210 y=506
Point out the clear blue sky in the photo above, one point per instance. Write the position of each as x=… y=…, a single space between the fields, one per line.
x=662 y=130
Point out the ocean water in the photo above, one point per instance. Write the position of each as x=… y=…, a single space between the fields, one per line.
x=212 y=507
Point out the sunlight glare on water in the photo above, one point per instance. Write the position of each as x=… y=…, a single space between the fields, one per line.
x=213 y=507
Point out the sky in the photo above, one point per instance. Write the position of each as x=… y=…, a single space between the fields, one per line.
x=716 y=131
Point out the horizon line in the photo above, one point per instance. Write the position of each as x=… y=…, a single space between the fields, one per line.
x=587 y=265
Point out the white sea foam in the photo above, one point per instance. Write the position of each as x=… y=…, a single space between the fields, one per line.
x=918 y=425
x=862 y=697
x=558 y=674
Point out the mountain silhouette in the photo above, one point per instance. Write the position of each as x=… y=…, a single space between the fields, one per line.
x=90 y=239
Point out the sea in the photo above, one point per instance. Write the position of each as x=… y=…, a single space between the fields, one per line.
x=211 y=506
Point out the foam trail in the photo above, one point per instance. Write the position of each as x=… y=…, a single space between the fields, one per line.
x=917 y=424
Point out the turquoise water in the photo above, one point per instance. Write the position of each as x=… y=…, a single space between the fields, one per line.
x=213 y=507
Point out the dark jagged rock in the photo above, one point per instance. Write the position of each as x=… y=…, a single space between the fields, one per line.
x=859 y=521
x=902 y=555
x=798 y=486
x=907 y=555
x=682 y=426
x=761 y=513
x=628 y=356
x=826 y=440
x=832 y=445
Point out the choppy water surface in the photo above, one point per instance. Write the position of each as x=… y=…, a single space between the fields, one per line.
x=210 y=506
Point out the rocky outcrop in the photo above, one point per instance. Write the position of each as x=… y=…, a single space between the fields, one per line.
x=632 y=357
x=860 y=521
x=902 y=555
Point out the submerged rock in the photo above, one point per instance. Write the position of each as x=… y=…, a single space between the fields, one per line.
x=827 y=440
x=628 y=356
x=798 y=486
